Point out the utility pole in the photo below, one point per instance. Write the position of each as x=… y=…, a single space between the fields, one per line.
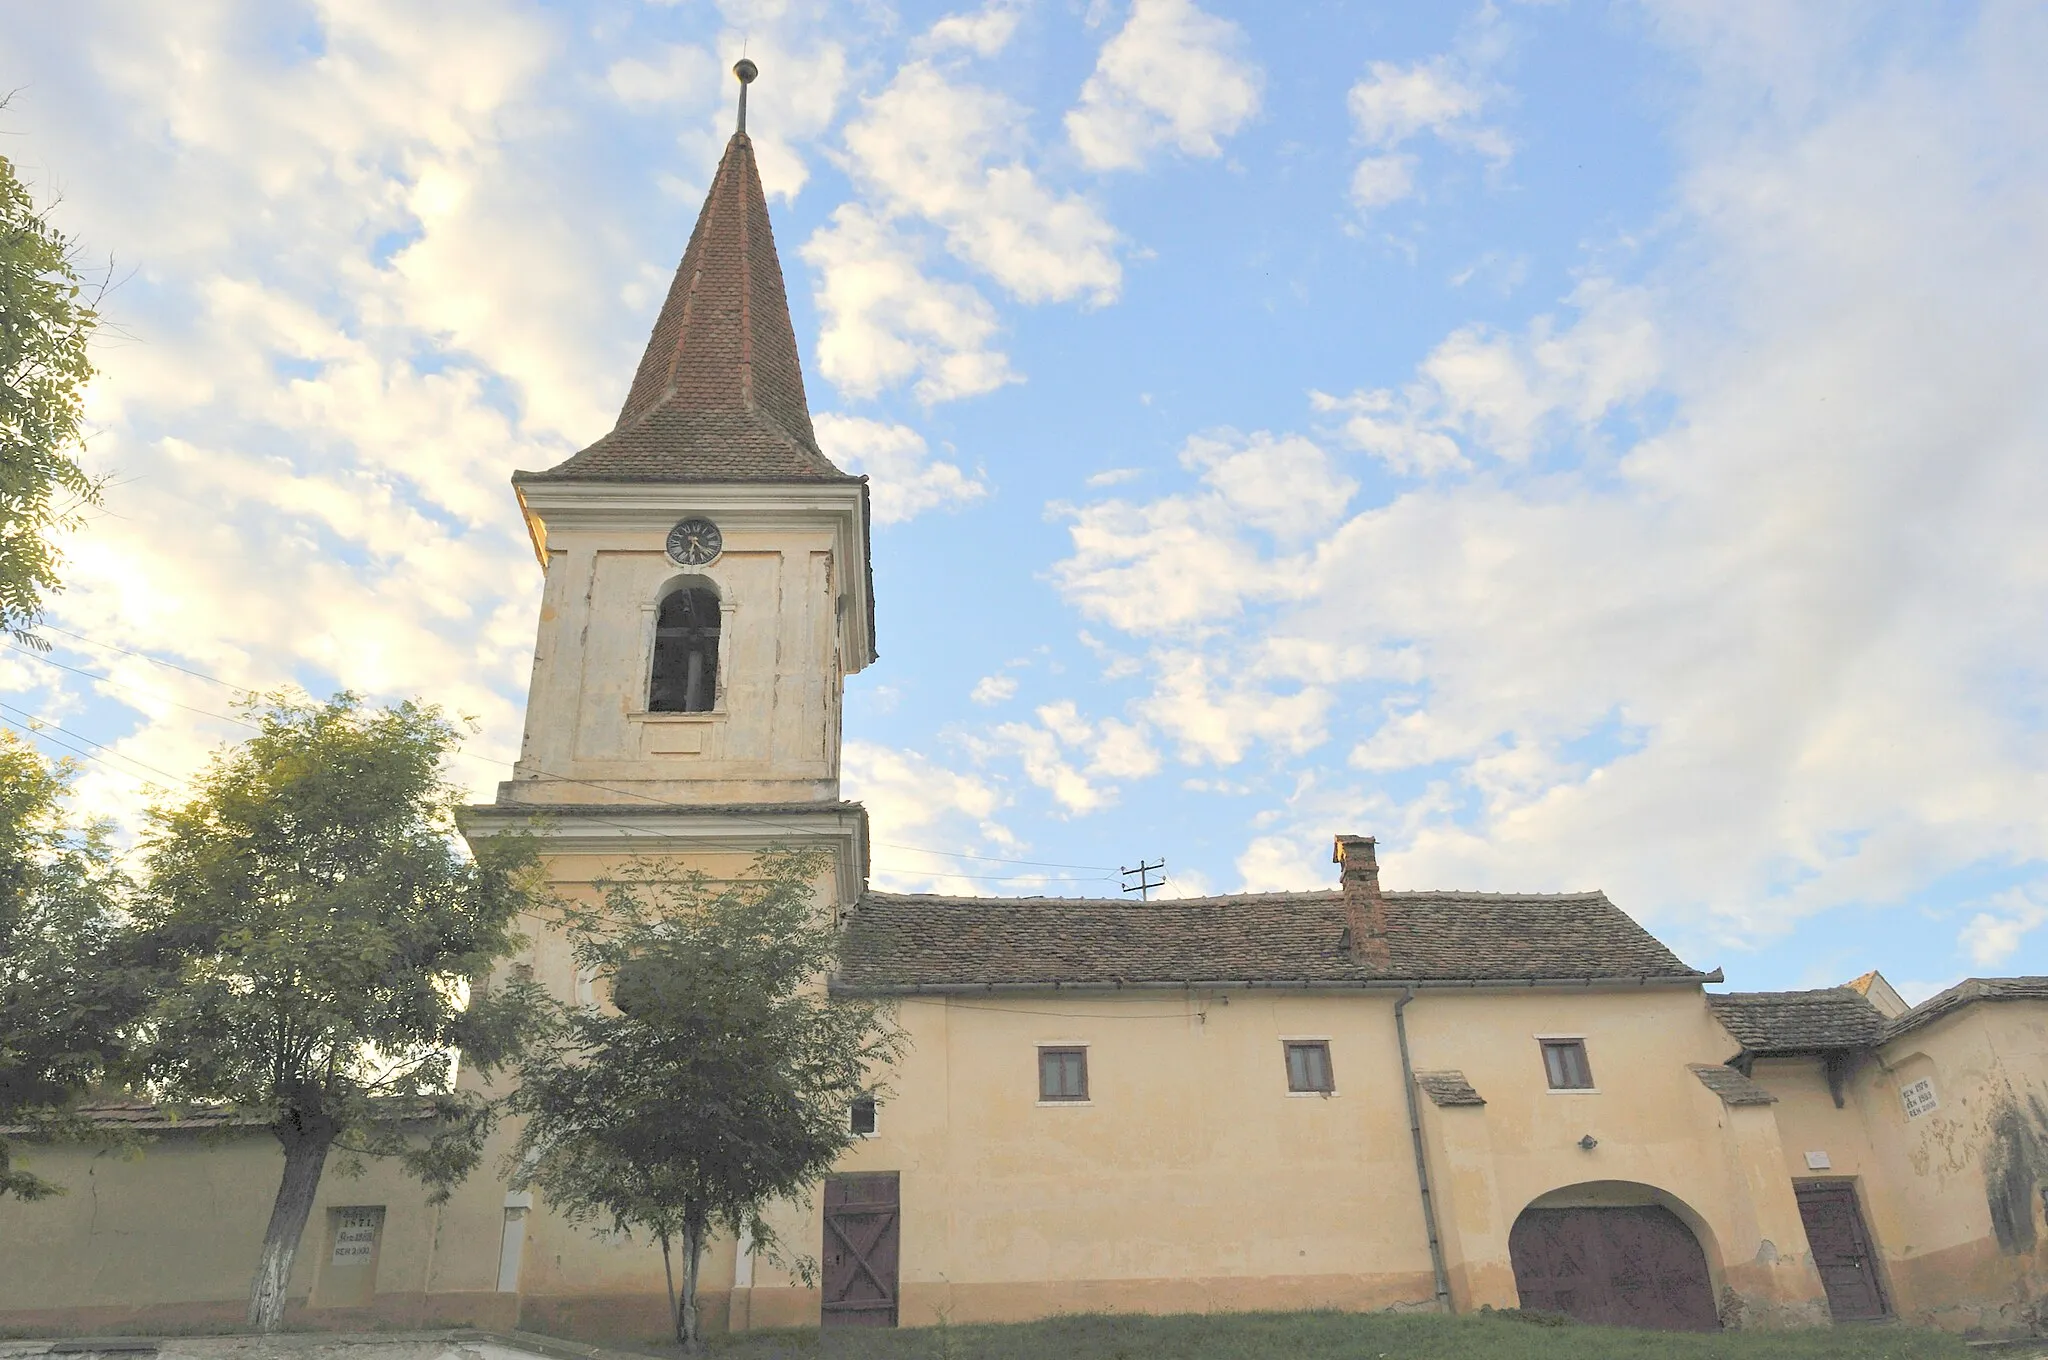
x=1146 y=883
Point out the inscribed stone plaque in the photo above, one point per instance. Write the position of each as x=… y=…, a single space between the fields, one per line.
x=1918 y=1098
x=355 y=1235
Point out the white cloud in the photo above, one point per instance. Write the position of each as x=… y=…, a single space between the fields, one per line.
x=1071 y=756
x=1775 y=656
x=1380 y=180
x=679 y=73
x=1172 y=75
x=1509 y=396
x=984 y=32
x=907 y=480
x=932 y=147
x=1115 y=476
x=1189 y=561
x=991 y=690
x=887 y=321
x=1038 y=751
x=1994 y=936
x=1215 y=716
x=935 y=829
x=1391 y=105
x=365 y=292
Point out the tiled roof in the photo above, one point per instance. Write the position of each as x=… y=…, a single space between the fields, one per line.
x=1448 y=1088
x=901 y=942
x=1965 y=992
x=1799 y=1022
x=149 y=1118
x=136 y=1114
x=1731 y=1085
x=719 y=395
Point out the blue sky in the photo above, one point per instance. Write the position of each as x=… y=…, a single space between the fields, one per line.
x=1583 y=445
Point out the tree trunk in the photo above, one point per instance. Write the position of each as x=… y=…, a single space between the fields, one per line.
x=305 y=1157
x=675 y=1316
x=693 y=1250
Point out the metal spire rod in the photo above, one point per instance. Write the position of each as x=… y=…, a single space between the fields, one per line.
x=746 y=71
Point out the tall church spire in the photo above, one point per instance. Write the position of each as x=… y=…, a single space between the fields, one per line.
x=719 y=394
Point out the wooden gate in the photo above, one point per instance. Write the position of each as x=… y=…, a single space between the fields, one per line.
x=1841 y=1249
x=1634 y=1266
x=863 y=1239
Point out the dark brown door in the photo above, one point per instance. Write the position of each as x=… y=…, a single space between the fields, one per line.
x=1841 y=1249
x=1635 y=1266
x=863 y=1239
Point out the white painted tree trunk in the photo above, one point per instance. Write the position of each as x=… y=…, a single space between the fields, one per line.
x=305 y=1157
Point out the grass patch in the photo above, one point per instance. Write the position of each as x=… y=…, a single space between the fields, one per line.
x=1327 y=1336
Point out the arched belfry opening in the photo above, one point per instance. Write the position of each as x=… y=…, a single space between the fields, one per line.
x=685 y=674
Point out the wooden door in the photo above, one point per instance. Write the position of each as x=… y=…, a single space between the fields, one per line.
x=863 y=1241
x=1627 y=1266
x=1841 y=1249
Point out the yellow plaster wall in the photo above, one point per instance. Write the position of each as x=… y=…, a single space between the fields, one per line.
x=774 y=733
x=1192 y=1178
x=168 y=1234
x=1989 y=1062
x=1921 y=1182
x=1653 y=1123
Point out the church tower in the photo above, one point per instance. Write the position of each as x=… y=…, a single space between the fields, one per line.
x=708 y=585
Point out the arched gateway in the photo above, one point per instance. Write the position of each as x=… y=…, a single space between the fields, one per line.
x=1624 y=1265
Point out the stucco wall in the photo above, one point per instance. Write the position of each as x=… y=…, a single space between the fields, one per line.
x=1955 y=1171
x=1927 y=1186
x=1193 y=1179
x=774 y=733
x=167 y=1235
x=1653 y=1124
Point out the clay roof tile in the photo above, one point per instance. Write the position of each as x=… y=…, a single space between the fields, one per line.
x=900 y=942
x=719 y=394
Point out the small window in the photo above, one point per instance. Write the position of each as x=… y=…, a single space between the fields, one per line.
x=863 y=1116
x=1062 y=1074
x=1564 y=1062
x=1308 y=1067
x=685 y=676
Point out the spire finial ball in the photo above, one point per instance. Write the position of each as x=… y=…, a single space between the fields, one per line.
x=745 y=70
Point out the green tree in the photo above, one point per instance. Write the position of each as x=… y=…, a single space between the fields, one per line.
x=720 y=1076
x=45 y=320
x=319 y=926
x=65 y=999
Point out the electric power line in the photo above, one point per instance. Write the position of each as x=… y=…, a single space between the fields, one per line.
x=38 y=730
x=53 y=724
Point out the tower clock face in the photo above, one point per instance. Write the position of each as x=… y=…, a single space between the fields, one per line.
x=694 y=542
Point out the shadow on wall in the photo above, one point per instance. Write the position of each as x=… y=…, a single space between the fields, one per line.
x=2015 y=1161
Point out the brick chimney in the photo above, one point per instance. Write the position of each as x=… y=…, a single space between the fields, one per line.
x=1365 y=910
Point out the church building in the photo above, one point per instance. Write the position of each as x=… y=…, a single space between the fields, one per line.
x=1369 y=1097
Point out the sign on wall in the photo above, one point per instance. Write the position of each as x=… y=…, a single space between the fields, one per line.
x=355 y=1235
x=1918 y=1098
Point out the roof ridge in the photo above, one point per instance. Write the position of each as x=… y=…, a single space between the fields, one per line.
x=1301 y=894
x=1842 y=988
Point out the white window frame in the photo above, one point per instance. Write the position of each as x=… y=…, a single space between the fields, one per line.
x=875 y=1132
x=1038 y=1073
